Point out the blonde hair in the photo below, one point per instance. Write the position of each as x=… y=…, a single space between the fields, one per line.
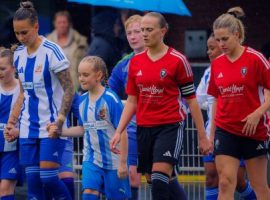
x=132 y=19
x=7 y=53
x=99 y=65
x=232 y=21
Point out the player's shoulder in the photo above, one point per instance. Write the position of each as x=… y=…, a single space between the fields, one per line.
x=110 y=95
x=256 y=55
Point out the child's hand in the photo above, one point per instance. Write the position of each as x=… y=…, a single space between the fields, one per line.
x=52 y=129
x=122 y=171
x=11 y=133
x=113 y=143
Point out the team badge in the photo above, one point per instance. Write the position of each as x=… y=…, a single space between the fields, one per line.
x=163 y=73
x=102 y=113
x=244 y=71
x=38 y=69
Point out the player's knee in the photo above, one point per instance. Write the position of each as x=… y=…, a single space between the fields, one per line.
x=225 y=183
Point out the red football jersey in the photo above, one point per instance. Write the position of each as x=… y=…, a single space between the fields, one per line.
x=238 y=87
x=157 y=85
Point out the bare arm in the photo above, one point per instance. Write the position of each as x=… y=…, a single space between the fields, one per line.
x=66 y=83
x=13 y=118
x=213 y=124
x=252 y=120
x=16 y=110
x=196 y=114
x=122 y=169
x=76 y=131
x=128 y=112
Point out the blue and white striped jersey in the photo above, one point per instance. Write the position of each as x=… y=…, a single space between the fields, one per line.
x=205 y=100
x=100 y=120
x=42 y=90
x=7 y=100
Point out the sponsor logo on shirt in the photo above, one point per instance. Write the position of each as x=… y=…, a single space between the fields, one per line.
x=232 y=90
x=150 y=90
x=27 y=85
x=96 y=125
x=31 y=85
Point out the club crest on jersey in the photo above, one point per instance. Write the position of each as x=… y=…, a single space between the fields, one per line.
x=243 y=71
x=163 y=73
x=102 y=113
x=38 y=69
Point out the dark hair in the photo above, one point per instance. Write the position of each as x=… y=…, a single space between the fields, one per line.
x=162 y=21
x=26 y=11
x=232 y=20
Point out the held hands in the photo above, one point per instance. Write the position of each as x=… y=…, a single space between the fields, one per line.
x=53 y=131
x=113 y=143
x=55 y=128
x=11 y=133
x=251 y=124
x=205 y=145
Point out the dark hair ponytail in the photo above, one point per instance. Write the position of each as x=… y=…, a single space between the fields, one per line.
x=26 y=11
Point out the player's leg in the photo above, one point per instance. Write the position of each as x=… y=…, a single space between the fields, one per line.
x=166 y=153
x=254 y=154
x=227 y=152
x=92 y=181
x=211 y=182
x=10 y=173
x=134 y=176
x=243 y=186
x=29 y=158
x=49 y=168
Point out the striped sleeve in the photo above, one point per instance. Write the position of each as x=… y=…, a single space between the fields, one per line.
x=57 y=59
x=263 y=68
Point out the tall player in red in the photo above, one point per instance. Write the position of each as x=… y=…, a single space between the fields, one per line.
x=158 y=78
x=238 y=79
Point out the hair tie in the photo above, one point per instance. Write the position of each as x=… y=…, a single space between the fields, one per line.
x=233 y=14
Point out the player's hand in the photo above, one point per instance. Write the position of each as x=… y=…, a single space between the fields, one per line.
x=251 y=123
x=122 y=170
x=11 y=133
x=114 y=142
x=52 y=129
x=205 y=146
